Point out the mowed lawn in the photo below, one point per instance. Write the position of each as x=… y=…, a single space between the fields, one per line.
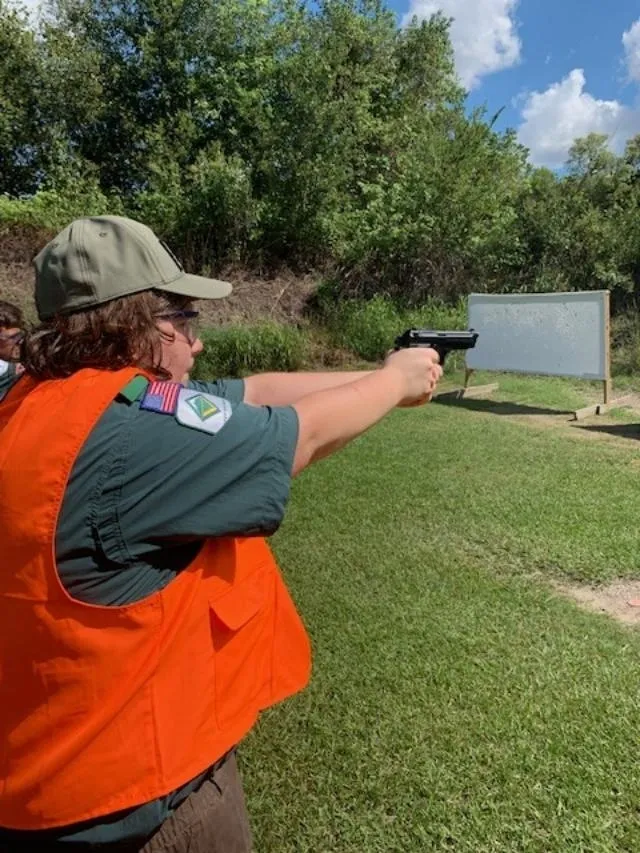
x=456 y=702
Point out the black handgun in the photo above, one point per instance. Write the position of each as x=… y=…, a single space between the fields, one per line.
x=442 y=342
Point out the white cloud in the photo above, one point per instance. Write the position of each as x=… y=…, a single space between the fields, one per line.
x=555 y=118
x=483 y=34
x=631 y=42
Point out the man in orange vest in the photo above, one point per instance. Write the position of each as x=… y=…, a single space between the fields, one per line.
x=143 y=621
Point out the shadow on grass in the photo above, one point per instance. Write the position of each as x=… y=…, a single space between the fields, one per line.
x=619 y=430
x=495 y=408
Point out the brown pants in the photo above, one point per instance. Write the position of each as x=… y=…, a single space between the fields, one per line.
x=212 y=820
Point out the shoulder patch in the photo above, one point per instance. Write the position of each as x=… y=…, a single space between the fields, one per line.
x=161 y=397
x=134 y=389
x=205 y=412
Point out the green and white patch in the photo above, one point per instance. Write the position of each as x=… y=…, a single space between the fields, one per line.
x=205 y=412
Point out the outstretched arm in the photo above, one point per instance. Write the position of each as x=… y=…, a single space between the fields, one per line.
x=330 y=418
x=285 y=389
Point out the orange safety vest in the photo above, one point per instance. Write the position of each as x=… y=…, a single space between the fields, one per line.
x=104 y=708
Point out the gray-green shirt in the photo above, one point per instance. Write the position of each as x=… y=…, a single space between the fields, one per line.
x=143 y=493
x=146 y=490
x=8 y=376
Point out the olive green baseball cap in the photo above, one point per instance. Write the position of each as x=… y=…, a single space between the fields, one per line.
x=100 y=258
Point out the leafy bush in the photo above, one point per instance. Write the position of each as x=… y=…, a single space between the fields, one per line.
x=54 y=209
x=437 y=315
x=625 y=344
x=366 y=328
x=370 y=328
x=234 y=351
x=207 y=212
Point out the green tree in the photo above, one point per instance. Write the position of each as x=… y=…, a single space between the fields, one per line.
x=22 y=133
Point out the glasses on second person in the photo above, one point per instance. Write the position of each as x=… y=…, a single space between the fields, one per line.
x=186 y=321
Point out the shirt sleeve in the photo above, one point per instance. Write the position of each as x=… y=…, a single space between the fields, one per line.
x=8 y=377
x=230 y=389
x=172 y=482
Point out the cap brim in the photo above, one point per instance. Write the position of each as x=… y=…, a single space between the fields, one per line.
x=198 y=287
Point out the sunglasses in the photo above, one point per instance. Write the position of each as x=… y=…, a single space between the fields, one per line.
x=15 y=337
x=187 y=321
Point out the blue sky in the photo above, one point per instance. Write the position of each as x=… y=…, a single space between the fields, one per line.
x=559 y=68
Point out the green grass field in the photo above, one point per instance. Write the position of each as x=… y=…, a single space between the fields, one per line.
x=457 y=703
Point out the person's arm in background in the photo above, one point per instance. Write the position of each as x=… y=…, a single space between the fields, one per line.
x=284 y=389
x=330 y=418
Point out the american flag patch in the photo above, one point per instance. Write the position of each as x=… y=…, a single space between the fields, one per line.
x=162 y=397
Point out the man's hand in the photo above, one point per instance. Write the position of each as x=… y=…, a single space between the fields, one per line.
x=421 y=372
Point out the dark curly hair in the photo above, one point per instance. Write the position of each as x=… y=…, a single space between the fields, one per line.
x=121 y=333
x=10 y=316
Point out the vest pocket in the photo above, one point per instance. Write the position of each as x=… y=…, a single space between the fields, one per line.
x=241 y=629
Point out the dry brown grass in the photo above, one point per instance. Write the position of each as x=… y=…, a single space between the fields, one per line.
x=18 y=245
x=280 y=297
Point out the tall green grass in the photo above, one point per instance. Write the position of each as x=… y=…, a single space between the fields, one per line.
x=367 y=331
x=239 y=350
x=625 y=344
x=369 y=328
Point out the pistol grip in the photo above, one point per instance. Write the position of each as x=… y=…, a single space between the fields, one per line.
x=442 y=352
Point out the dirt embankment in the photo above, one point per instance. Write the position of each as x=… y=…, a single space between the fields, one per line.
x=18 y=245
x=282 y=297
